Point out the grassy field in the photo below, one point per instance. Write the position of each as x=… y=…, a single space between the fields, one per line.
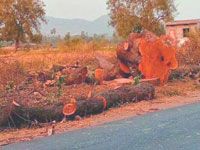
x=43 y=59
x=15 y=66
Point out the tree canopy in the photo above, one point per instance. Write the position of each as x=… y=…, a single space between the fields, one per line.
x=20 y=19
x=135 y=15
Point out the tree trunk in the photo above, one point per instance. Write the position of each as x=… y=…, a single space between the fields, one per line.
x=73 y=75
x=16 y=44
x=84 y=106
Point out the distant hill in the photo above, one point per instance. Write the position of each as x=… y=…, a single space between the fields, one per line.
x=75 y=26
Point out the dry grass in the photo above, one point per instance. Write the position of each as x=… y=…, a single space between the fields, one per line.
x=15 y=66
x=176 y=88
x=12 y=72
x=43 y=59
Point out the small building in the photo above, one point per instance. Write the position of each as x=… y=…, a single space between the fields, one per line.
x=179 y=30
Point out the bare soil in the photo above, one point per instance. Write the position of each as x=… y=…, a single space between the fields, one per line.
x=173 y=94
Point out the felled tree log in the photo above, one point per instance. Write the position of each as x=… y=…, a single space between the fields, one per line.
x=191 y=71
x=75 y=76
x=110 y=71
x=71 y=75
x=158 y=60
x=128 y=51
x=147 y=54
x=129 y=55
x=113 y=98
x=125 y=94
x=83 y=106
x=4 y=117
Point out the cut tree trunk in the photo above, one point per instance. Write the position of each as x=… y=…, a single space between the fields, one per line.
x=191 y=71
x=84 y=106
x=73 y=75
x=76 y=76
x=145 y=54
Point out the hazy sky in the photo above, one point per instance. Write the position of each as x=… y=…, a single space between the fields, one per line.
x=92 y=9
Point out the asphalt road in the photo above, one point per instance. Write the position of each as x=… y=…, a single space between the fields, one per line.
x=173 y=129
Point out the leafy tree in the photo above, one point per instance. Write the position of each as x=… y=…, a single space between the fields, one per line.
x=99 y=38
x=83 y=35
x=67 y=37
x=36 y=38
x=76 y=40
x=115 y=38
x=135 y=15
x=20 y=19
x=95 y=37
x=53 y=31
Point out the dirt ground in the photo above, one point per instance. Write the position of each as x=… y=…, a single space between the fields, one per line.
x=173 y=94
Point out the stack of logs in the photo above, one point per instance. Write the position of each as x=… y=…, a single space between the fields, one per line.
x=145 y=55
x=152 y=56
x=142 y=54
x=82 y=106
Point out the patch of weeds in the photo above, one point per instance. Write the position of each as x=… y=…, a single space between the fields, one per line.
x=57 y=68
x=136 y=80
x=61 y=81
x=59 y=92
x=11 y=85
x=92 y=80
x=12 y=73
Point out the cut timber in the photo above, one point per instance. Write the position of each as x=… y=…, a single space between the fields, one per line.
x=105 y=64
x=191 y=71
x=110 y=70
x=76 y=76
x=154 y=81
x=124 y=68
x=113 y=98
x=29 y=115
x=84 y=106
x=99 y=74
x=158 y=60
x=128 y=51
x=69 y=109
x=124 y=81
x=5 y=114
x=147 y=54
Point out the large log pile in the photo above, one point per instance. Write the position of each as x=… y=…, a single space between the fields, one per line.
x=83 y=106
x=142 y=54
x=158 y=60
x=152 y=56
x=129 y=54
